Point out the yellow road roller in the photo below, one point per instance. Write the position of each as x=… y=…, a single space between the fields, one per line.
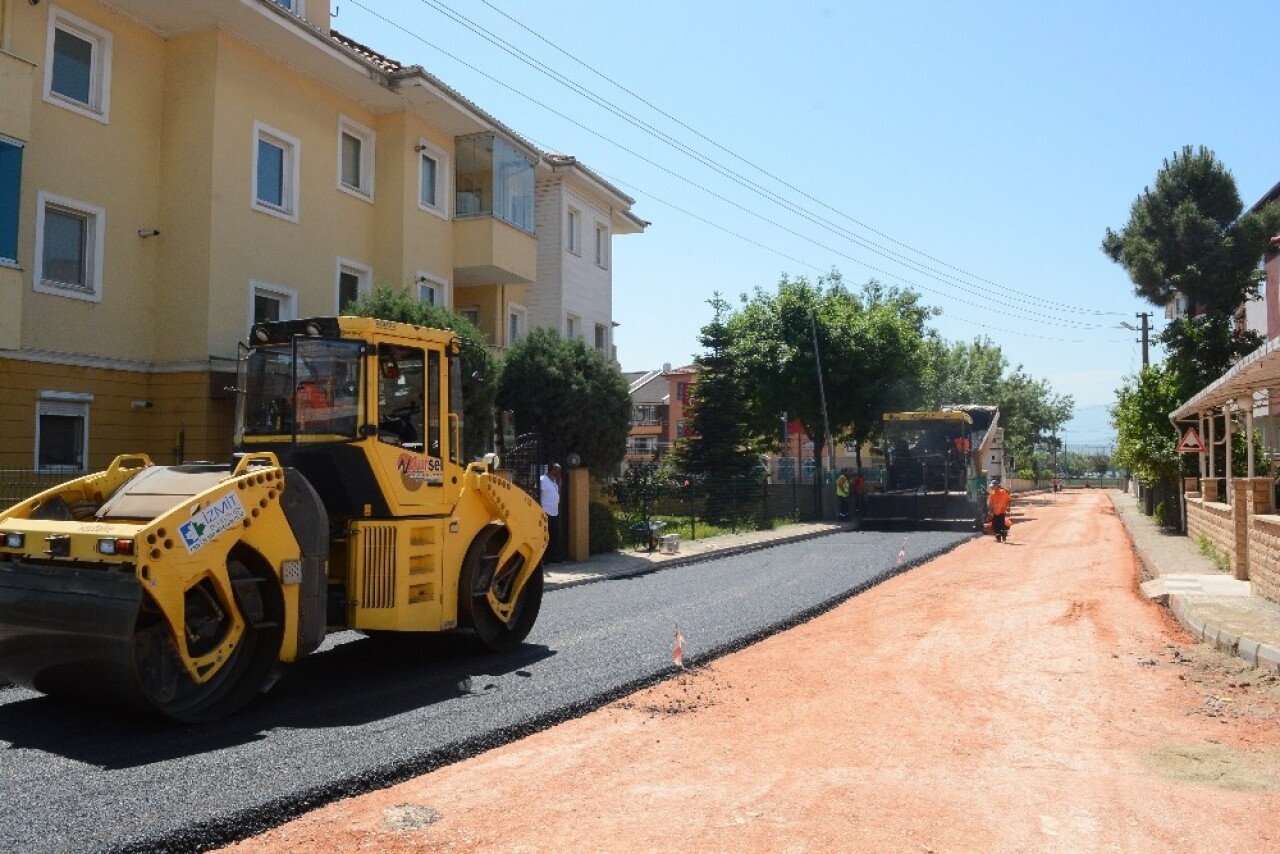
x=183 y=589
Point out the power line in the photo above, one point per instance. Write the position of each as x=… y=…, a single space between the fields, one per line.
x=759 y=168
x=774 y=198
x=1027 y=315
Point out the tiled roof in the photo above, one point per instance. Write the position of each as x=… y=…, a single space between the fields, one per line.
x=385 y=63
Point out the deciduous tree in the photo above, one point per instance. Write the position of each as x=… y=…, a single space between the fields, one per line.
x=571 y=396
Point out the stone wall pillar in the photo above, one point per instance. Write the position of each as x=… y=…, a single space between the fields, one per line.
x=578 y=541
x=1191 y=486
x=1241 y=515
x=1209 y=488
x=1260 y=502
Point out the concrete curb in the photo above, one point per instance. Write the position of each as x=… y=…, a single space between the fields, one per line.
x=1241 y=626
x=590 y=576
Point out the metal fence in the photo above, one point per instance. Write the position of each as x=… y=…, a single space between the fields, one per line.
x=19 y=484
x=646 y=511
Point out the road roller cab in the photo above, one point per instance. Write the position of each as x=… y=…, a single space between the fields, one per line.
x=182 y=589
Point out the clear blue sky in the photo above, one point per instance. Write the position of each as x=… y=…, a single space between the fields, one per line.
x=975 y=152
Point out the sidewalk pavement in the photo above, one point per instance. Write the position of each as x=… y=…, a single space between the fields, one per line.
x=629 y=562
x=1210 y=603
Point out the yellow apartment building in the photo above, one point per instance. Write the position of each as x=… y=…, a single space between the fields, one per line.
x=173 y=170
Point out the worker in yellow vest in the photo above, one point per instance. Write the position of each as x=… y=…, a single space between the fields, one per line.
x=842 y=496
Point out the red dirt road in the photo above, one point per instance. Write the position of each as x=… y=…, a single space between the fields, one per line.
x=1005 y=697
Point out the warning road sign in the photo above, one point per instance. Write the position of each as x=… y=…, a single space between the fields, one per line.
x=1191 y=443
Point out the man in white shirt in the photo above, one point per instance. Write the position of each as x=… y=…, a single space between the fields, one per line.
x=549 y=497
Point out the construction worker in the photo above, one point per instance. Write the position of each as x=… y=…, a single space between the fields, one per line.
x=842 y=496
x=998 y=506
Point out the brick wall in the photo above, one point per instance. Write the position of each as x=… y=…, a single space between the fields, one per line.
x=1264 y=553
x=1212 y=520
x=1247 y=530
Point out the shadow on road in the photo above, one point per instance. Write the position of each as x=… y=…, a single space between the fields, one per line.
x=363 y=680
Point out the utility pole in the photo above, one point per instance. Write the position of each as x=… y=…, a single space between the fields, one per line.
x=1144 y=316
x=822 y=395
x=1145 y=329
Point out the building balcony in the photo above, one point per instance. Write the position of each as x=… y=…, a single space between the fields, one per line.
x=489 y=251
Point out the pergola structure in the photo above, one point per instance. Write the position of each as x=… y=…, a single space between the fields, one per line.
x=1245 y=387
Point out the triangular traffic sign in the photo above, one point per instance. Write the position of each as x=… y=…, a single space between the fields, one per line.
x=1191 y=443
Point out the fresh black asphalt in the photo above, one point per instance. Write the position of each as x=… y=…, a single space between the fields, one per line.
x=364 y=713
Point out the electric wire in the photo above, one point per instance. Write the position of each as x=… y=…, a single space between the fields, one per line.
x=761 y=169
x=1026 y=314
x=524 y=57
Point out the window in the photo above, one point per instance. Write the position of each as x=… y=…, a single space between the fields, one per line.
x=68 y=247
x=433 y=169
x=644 y=413
x=572 y=326
x=432 y=290
x=271 y=302
x=294 y=6
x=472 y=314
x=406 y=377
x=494 y=178
x=62 y=431
x=77 y=75
x=353 y=281
x=355 y=158
x=602 y=246
x=571 y=232
x=515 y=323
x=10 y=186
x=642 y=445
x=275 y=172
x=602 y=337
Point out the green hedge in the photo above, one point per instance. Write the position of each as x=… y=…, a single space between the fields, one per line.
x=604 y=535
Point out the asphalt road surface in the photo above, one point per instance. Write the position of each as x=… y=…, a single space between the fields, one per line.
x=364 y=713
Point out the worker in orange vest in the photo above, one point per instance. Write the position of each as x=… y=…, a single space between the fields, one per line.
x=998 y=505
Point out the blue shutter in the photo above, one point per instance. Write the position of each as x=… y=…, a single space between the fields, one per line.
x=10 y=186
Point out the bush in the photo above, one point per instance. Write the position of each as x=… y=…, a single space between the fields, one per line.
x=603 y=527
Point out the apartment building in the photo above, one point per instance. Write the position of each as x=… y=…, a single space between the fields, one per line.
x=173 y=170
x=579 y=213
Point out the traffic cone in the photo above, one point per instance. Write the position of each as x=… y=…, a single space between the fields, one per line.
x=677 y=652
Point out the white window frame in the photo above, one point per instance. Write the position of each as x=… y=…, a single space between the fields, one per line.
x=98 y=107
x=71 y=404
x=602 y=341
x=440 y=205
x=572 y=225
x=364 y=279
x=95 y=228
x=520 y=314
x=294 y=6
x=348 y=126
x=572 y=326
x=602 y=246
x=287 y=296
x=437 y=284
x=292 y=148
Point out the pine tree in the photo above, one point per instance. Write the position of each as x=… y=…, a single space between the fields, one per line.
x=721 y=452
